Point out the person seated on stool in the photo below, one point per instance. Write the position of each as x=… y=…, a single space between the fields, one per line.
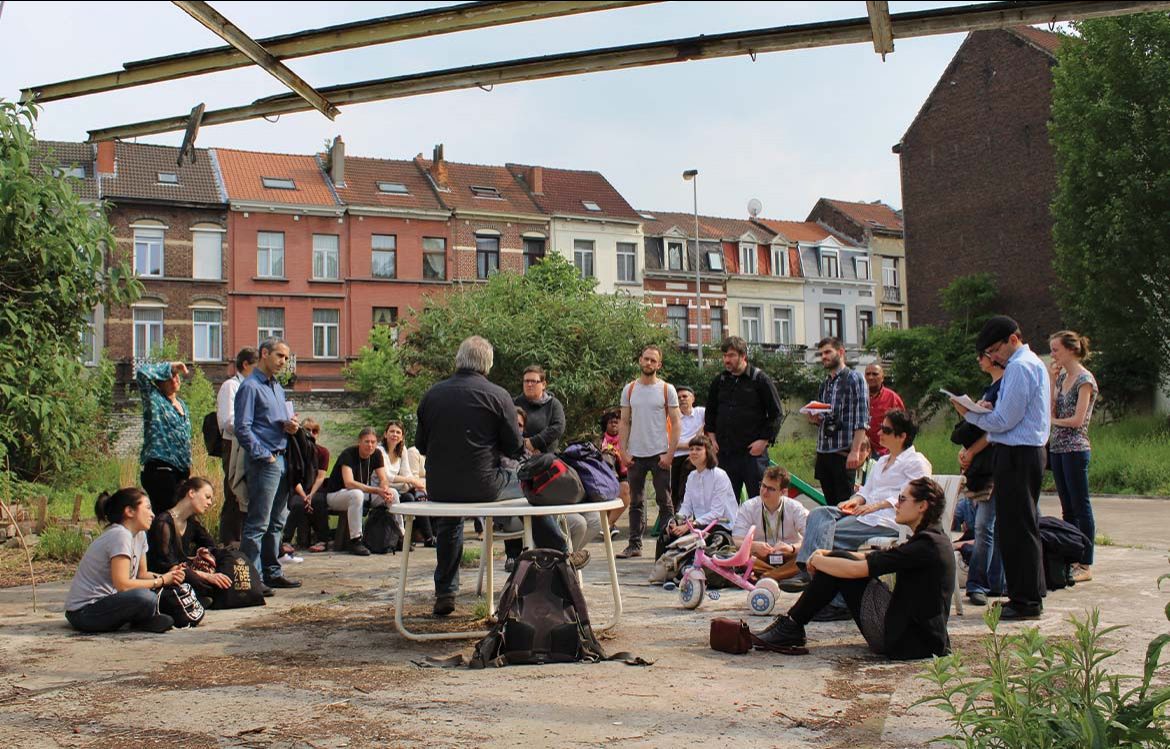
x=779 y=522
x=358 y=474
x=908 y=623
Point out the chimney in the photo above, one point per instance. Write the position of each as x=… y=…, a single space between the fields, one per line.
x=106 y=163
x=536 y=180
x=337 y=162
x=439 y=169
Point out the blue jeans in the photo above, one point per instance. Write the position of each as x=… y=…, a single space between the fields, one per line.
x=110 y=613
x=267 y=511
x=744 y=469
x=1071 y=472
x=832 y=530
x=985 y=573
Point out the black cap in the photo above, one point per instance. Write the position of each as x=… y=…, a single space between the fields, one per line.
x=996 y=329
x=688 y=388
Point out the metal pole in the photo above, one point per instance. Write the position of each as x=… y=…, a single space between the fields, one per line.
x=698 y=280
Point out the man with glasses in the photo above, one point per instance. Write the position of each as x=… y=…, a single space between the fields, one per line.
x=779 y=522
x=1018 y=426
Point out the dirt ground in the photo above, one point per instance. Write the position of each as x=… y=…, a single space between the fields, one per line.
x=323 y=666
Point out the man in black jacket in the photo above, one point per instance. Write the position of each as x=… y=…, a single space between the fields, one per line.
x=465 y=425
x=743 y=417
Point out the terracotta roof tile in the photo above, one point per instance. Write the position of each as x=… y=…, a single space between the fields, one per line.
x=67 y=154
x=566 y=190
x=710 y=227
x=876 y=215
x=137 y=170
x=242 y=170
x=362 y=176
x=513 y=198
x=799 y=231
x=1047 y=41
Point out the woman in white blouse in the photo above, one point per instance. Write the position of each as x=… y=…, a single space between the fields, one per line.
x=411 y=488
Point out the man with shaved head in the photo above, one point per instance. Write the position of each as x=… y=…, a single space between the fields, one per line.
x=882 y=400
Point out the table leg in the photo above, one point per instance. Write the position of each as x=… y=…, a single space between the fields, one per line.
x=529 y=543
x=613 y=575
x=489 y=542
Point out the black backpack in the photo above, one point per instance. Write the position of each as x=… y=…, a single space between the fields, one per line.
x=542 y=617
x=181 y=604
x=547 y=480
x=1063 y=545
x=382 y=534
x=212 y=437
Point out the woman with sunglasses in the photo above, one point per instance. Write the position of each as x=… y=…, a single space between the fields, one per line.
x=909 y=622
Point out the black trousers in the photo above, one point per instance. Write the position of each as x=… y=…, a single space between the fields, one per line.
x=680 y=468
x=1018 y=472
x=161 y=481
x=869 y=619
x=231 y=518
x=744 y=470
x=836 y=480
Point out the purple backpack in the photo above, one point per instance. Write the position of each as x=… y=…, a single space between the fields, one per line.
x=596 y=475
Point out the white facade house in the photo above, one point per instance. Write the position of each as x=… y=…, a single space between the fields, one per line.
x=838 y=291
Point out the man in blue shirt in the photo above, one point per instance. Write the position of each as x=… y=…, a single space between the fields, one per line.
x=263 y=424
x=1018 y=428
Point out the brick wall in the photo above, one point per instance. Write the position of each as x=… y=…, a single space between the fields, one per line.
x=977 y=179
x=462 y=256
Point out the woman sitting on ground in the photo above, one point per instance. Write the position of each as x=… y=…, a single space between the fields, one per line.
x=708 y=496
x=410 y=488
x=112 y=586
x=178 y=540
x=908 y=623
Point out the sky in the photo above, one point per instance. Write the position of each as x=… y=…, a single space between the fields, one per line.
x=786 y=129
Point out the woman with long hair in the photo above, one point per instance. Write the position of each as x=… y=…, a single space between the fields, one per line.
x=1074 y=392
x=178 y=539
x=410 y=488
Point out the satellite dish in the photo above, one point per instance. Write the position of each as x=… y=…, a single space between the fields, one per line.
x=754 y=207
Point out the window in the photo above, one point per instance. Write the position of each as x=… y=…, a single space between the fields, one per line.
x=782 y=325
x=831 y=323
x=674 y=256
x=278 y=183
x=394 y=188
x=77 y=172
x=326 y=263
x=892 y=319
x=208 y=254
x=148 y=330
x=647 y=216
x=480 y=191
x=715 y=260
x=269 y=323
x=626 y=264
x=676 y=318
x=830 y=264
x=890 y=271
x=861 y=267
x=487 y=255
x=583 y=257
x=168 y=178
x=780 y=261
x=591 y=206
x=89 y=341
x=270 y=254
x=717 y=322
x=148 y=252
x=747 y=258
x=533 y=251
x=207 y=342
x=384 y=256
x=434 y=258
x=325 y=326
x=749 y=323
x=386 y=316
x=864 y=325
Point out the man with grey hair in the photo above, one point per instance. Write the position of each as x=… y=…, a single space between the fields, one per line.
x=466 y=424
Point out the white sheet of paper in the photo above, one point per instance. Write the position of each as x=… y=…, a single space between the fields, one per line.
x=966 y=402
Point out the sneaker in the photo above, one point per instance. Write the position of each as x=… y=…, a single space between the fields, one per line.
x=357 y=548
x=579 y=558
x=832 y=613
x=614 y=533
x=1082 y=573
x=781 y=635
x=290 y=559
x=444 y=606
x=977 y=598
x=158 y=623
x=629 y=552
x=797 y=583
x=286 y=549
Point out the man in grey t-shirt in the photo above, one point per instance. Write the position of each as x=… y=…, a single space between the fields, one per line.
x=650 y=416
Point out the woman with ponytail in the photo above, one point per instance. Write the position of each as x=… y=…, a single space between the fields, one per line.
x=112 y=585
x=178 y=539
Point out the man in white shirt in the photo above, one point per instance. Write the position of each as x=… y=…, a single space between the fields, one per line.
x=231 y=519
x=780 y=524
x=691 y=419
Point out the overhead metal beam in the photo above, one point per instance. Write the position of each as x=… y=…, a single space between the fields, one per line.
x=803 y=36
x=879 y=26
x=230 y=33
x=463 y=17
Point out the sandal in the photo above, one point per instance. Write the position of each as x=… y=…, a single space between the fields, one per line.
x=317 y=547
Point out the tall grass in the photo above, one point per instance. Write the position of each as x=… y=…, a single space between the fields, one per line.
x=61 y=544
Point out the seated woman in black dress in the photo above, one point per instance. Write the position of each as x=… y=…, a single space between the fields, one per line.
x=176 y=537
x=909 y=622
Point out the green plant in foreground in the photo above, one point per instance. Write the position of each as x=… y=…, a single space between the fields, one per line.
x=1039 y=692
x=480 y=609
x=470 y=556
x=61 y=544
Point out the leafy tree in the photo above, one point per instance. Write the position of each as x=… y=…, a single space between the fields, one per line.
x=1110 y=129
x=792 y=376
x=377 y=372
x=52 y=274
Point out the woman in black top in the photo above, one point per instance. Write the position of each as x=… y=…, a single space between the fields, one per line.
x=176 y=537
x=909 y=622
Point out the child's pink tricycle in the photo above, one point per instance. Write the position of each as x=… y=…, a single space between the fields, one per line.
x=761 y=596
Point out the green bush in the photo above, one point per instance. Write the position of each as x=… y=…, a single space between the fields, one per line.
x=61 y=544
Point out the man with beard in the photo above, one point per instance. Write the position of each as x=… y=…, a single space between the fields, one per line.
x=650 y=418
x=882 y=400
x=842 y=444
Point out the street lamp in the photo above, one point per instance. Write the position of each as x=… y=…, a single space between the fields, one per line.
x=692 y=175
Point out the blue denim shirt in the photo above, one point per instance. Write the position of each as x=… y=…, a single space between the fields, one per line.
x=166 y=433
x=260 y=416
x=1022 y=413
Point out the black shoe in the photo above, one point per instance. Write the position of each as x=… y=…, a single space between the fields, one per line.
x=266 y=591
x=444 y=606
x=282 y=582
x=797 y=583
x=430 y=543
x=158 y=623
x=357 y=547
x=781 y=635
x=1014 y=612
x=509 y=564
x=833 y=613
x=977 y=598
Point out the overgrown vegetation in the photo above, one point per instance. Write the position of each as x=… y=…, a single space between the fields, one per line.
x=62 y=544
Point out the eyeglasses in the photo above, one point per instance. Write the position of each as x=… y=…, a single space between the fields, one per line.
x=993 y=349
x=533 y=382
x=766 y=488
x=887 y=430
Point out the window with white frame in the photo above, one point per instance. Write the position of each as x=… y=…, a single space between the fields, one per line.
x=861 y=267
x=747 y=258
x=207 y=250
x=890 y=271
x=864 y=325
x=326 y=261
x=832 y=324
x=89 y=339
x=782 y=325
x=830 y=264
x=674 y=256
x=326 y=323
x=383 y=256
x=779 y=260
x=207 y=338
x=269 y=323
x=676 y=318
x=148 y=330
x=626 y=262
x=148 y=252
x=718 y=320
x=434 y=258
x=270 y=254
x=387 y=317
x=749 y=324
x=583 y=257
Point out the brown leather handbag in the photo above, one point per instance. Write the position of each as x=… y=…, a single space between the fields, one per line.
x=730 y=636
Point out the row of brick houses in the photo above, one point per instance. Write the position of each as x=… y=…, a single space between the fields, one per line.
x=239 y=245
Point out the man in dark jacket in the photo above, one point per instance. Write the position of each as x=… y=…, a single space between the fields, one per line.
x=743 y=417
x=465 y=425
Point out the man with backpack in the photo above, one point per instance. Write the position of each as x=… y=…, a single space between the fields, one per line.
x=650 y=417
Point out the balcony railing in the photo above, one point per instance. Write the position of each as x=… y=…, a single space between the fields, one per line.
x=892 y=294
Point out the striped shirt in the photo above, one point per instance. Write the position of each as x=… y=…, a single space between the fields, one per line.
x=166 y=433
x=848 y=394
